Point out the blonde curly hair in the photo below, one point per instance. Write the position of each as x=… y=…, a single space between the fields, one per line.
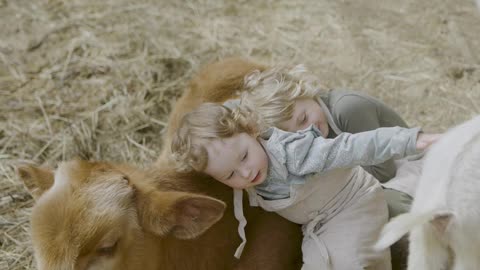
x=272 y=93
x=208 y=122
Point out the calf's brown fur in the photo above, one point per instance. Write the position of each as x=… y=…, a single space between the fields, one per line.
x=99 y=215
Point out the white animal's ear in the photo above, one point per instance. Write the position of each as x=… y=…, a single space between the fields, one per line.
x=36 y=179
x=441 y=221
x=185 y=215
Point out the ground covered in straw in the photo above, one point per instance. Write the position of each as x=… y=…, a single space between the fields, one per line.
x=97 y=79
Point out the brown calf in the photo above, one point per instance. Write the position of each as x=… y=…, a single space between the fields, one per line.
x=97 y=215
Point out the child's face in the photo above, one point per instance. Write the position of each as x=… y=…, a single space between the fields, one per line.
x=239 y=161
x=306 y=112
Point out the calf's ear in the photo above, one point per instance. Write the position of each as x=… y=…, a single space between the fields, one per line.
x=37 y=180
x=185 y=215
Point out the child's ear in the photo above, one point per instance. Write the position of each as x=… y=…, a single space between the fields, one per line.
x=185 y=215
x=36 y=179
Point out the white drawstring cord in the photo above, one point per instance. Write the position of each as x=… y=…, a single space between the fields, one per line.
x=238 y=211
x=310 y=230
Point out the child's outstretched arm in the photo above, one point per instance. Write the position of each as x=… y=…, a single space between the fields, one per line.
x=307 y=152
x=356 y=112
x=425 y=140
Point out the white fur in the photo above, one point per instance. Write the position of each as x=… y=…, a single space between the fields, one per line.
x=444 y=221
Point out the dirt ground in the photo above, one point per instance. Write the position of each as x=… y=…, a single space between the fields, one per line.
x=97 y=79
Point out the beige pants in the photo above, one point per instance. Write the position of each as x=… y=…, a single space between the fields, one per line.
x=342 y=212
x=341 y=240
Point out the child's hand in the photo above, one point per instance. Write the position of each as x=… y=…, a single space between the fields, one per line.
x=424 y=140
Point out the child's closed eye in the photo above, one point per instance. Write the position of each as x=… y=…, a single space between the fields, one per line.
x=245 y=156
x=302 y=119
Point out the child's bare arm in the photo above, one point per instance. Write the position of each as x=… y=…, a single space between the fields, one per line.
x=425 y=140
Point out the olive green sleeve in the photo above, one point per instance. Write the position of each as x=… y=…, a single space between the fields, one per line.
x=355 y=112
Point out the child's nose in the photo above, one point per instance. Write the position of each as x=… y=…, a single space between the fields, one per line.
x=245 y=172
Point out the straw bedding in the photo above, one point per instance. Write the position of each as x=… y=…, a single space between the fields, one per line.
x=97 y=79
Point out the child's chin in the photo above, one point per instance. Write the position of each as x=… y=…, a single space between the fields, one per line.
x=324 y=132
x=259 y=181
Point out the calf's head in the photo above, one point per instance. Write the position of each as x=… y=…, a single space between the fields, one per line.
x=95 y=215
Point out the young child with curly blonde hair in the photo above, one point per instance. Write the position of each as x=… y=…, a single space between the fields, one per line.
x=302 y=176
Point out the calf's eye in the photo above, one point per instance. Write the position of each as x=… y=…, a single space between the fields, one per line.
x=107 y=250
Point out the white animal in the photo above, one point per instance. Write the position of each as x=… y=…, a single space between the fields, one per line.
x=444 y=222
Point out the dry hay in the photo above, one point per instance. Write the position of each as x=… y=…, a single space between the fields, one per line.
x=97 y=78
